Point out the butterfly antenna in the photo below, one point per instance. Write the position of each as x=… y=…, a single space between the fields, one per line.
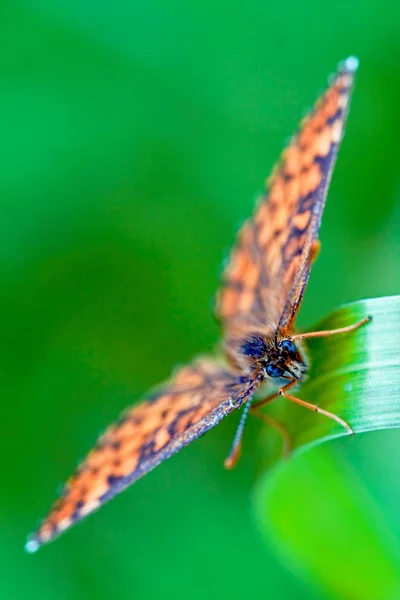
x=234 y=454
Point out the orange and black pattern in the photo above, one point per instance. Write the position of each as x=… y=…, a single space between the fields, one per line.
x=261 y=292
x=275 y=246
x=196 y=399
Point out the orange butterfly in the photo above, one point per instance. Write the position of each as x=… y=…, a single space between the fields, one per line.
x=262 y=288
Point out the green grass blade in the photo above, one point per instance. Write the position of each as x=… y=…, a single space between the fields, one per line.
x=326 y=527
x=313 y=508
x=354 y=375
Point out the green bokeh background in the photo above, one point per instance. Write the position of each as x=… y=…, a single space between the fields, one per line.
x=135 y=136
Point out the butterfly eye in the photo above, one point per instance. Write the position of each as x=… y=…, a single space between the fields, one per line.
x=289 y=347
x=274 y=371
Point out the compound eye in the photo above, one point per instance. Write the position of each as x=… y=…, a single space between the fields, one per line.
x=289 y=347
x=274 y=371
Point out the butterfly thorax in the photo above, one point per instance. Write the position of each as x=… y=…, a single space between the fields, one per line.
x=267 y=355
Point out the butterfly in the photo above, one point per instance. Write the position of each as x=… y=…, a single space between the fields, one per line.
x=262 y=288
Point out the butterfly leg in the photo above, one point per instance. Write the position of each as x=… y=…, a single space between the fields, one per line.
x=317 y=409
x=280 y=428
x=315 y=248
x=234 y=454
x=269 y=420
x=328 y=332
x=316 y=334
x=272 y=396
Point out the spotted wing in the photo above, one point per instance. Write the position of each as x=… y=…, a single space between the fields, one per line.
x=269 y=267
x=196 y=399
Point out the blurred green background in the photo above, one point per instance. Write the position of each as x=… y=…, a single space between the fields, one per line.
x=135 y=136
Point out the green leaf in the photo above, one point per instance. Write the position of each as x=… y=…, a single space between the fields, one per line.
x=355 y=375
x=322 y=521
x=313 y=508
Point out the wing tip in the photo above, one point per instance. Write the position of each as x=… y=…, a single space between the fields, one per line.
x=32 y=544
x=349 y=65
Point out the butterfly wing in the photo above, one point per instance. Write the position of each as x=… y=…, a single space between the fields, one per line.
x=196 y=399
x=269 y=267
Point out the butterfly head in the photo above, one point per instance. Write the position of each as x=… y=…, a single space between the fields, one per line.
x=276 y=358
